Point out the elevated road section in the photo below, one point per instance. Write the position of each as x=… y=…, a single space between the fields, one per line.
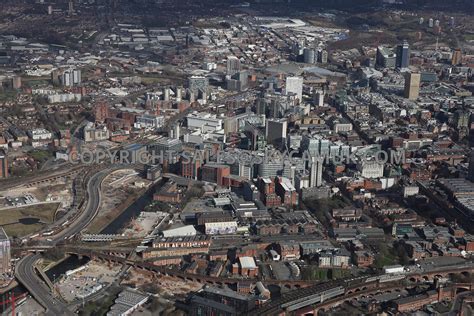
x=25 y=273
x=25 y=268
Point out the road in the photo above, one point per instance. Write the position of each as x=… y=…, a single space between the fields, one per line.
x=25 y=273
x=24 y=270
x=457 y=304
x=90 y=211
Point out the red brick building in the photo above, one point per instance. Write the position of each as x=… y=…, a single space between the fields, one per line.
x=190 y=168
x=215 y=173
x=363 y=258
x=101 y=112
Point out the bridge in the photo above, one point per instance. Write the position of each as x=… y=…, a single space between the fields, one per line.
x=122 y=257
x=43 y=177
x=44 y=277
x=453 y=290
x=99 y=237
x=330 y=294
x=306 y=296
x=301 y=287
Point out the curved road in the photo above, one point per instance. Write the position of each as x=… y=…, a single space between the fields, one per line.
x=24 y=270
x=25 y=273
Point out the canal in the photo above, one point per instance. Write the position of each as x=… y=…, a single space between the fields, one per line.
x=73 y=262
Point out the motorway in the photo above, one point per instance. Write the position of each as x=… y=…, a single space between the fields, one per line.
x=24 y=270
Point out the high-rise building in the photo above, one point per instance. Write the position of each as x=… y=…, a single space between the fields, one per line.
x=5 y=257
x=316 y=175
x=198 y=84
x=371 y=169
x=16 y=82
x=3 y=165
x=238 y=81
x=309 y=56
x=270 y=168
x=403 y=55
x=71 y=7
x=470 y=175
x=457 y=57
x=294 y=85
x=318 y=97
x=233 y=65
x=323 y=56
x=165 y=145
x=412 y=85
x=386 y=58
x=276 y=131
x=67 y=77
x=101 y=112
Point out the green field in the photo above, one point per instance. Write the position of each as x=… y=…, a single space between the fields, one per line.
x=9 y=218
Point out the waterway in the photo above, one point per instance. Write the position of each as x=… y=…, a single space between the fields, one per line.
x=70 y=263
x=73 y=262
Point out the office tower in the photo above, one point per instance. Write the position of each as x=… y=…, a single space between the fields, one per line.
x=323 y=56
x=16 y=82
x=461 y=119
x=457 y=57
x=165 y=145
x=412 y=85
x=238 y=81
x=276 y=132
x=295 y=85
x=318 y=97
x=166 y=94
x=403 y=55
x=233 y=65
x=270 y=169
x=297 y=48
x=316 y=175
x=294 y=142
x=3 y=165
x=371 y=169
x=5 y=257
x=470 y=175
x=198 y=85
x=76 y=77
x=176 y=131
x=386 y=58
x=101 y=112
x=67 y=78
x=178 y=94
x=71 y=7
x=309 y=56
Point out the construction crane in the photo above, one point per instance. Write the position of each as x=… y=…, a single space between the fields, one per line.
x=12 y=300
